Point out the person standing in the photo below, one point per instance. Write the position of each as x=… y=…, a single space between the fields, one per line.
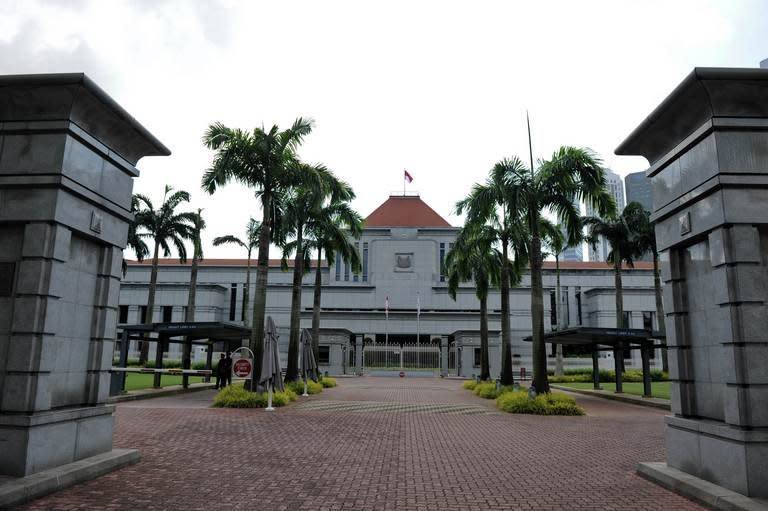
x=227 y=370
x=221 y=381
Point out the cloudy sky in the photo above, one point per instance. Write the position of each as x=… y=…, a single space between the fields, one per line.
x=439 y=88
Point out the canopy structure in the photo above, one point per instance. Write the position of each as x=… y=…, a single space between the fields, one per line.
x=206 y=333
x=610 y=339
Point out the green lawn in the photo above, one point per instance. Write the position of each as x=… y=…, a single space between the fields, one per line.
x=659 y=389
x=136 y=381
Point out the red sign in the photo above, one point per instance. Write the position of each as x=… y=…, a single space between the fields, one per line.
x=242 y=368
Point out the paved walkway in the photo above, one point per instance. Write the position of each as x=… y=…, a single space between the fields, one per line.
x=379 y=443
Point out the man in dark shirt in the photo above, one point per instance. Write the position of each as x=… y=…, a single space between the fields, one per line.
x=221 y=380
x=227 y=375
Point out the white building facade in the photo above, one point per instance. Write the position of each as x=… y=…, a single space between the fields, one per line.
x=403 y=248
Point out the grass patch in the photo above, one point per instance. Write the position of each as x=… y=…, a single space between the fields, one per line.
x=235 y=396
x=585 y=376
x=659 y=389
x=138 y=381
x=543 y=404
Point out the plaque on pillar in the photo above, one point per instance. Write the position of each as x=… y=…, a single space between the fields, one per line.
x=68 y=151
x=706 y=145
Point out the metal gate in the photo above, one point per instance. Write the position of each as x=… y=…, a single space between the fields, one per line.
x=407 y=356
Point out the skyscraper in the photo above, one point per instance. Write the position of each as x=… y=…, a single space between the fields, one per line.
x=639 y=189
x=615 y=186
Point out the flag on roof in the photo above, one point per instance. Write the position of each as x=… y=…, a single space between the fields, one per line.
x=407 y=176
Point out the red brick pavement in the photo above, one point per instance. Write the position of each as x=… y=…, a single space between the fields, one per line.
x=412 y=444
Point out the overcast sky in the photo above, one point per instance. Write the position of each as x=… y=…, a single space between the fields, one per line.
x=438 y=88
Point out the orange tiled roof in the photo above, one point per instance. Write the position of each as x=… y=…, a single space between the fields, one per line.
x=405 y=211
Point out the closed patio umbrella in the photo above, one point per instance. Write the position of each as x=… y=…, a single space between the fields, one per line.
x=307 y=360
x=271 y=375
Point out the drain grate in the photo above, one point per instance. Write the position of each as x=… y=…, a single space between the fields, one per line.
x=379 y=406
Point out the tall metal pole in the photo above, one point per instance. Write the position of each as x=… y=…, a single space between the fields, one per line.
x=418 y=330
x=386 y=333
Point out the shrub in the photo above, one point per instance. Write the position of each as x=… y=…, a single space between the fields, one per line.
x=487 y=390
x=298 y=387
x=543 y=404
x=470 y=384
x=235 y=396
x=328 y=382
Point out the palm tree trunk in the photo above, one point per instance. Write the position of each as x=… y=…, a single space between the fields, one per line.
x=260 y=298
x=485 y=366
x=619 y=301
x=144 y=354
x=246 y=290
x=292 y=371
x=660 y=311
x=540 y=380
x=558 y=313
x=507 y=378
x=316 y=306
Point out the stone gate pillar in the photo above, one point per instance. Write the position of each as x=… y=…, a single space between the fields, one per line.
x=707 y=144
x=443 y=355
x=359 y=338
x=67 y=162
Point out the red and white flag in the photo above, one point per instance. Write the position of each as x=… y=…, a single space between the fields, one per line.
x=407 y=176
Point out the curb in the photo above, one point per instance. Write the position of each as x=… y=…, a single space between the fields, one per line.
x=23 y=489
x=661 y=404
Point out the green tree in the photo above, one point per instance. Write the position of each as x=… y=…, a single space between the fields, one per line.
x=643 y=235
x=615 y=230
x=301 y=204
x=331 y=231
x=475 y=258
x=523 y=195
x=165 y=227
x=198 y=224
x=250 y=242
x=264 y=161
x=134 y=241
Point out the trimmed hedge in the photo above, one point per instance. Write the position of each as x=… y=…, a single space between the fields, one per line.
x=469 y=384
x=298 y=387
x=543 y=404
x=487 y=390
x=328 y=382
x=235 y=396
x=585 y=376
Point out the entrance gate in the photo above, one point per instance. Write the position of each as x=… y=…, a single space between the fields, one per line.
x=405 y=356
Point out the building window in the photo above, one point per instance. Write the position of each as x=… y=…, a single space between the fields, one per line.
x=338 y=267
x=123 y=317
x=324 y=356
x=167 y=314
x=442 y=262
x=232 y=302
x=627 y=320
x=648 y=320
x=365 y=262
x=143 y=314
x=552 y=308
x=346 y=271
x=184 y=312
x=578 y=306
x=356 y=277
x=476 y=358
x=566 y=308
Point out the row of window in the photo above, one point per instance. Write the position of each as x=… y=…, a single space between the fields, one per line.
x=166 y=314
x=648 y=316
x=344 y=264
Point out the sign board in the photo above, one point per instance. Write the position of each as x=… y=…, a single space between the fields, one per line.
x=242 y=368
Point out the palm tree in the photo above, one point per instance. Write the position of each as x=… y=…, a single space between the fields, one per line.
x=642 y=233
x=474 y=258
x=570 y=174
x=263 y=160
x=198 y=224
x=134 y=241
x=615 y=229
x=493 y=205
x=301 y=203
x=252 y=232
x=165 y=227
x=330 y=232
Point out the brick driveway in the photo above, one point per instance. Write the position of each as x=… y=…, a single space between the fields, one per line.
x=379 y=443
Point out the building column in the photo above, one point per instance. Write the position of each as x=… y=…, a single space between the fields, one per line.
x=359 y=338
x=444 y=355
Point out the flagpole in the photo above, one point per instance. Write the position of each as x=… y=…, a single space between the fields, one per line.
x=418 y=330
x=386 y=334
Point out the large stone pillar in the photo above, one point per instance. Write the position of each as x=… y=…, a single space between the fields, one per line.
x=67 y=156
x=707 y=144
x=359 y=341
